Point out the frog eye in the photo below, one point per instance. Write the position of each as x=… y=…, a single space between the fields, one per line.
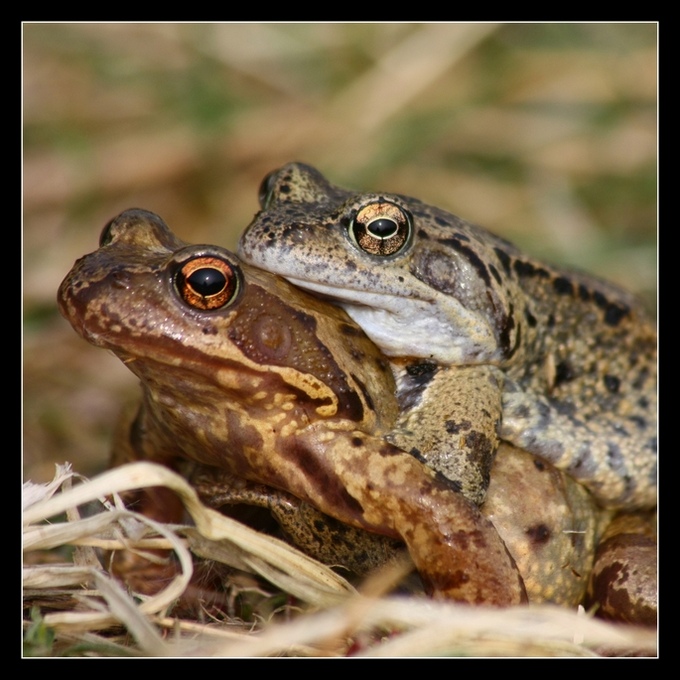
x=107 y=235
x=207 y=283
x=381 y=228
x=266 y=190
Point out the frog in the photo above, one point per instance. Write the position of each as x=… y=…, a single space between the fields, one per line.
x=241 y=371
x=263 y=394
x=549 y=523
x=486 y=342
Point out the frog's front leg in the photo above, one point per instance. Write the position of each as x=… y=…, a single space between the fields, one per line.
x=371 y=484
x=449 y=420
x=616 y=464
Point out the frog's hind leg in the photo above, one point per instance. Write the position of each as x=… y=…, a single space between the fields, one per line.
x=623 y=583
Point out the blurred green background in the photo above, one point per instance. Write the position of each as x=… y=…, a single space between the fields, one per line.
x=544 y=133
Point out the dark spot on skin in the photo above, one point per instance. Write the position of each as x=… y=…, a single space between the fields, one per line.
x=629 y=483
x=583 y=293
x=442 y=222
x=639 y=421
x=564 y=373
x=522 y=411
x=382 y=365
x=480 y=447
x=528 y=269
x=504 y=259
x=423 y=235
x=614 y=456
x=620 y=429
x=600 y=300
x=550 y=322
x=539 y=534
x=641 y=379
x=495 y=274
x=565 y=408
x=583 y=464
x=539 y=464
x=350 y=331
x=421 y=369
x=356 y=441
x=612 y=383
x=606 y=588
x=389 y=450
x=453 y=427
x=357 y=355
x=614 y=314
x=563 y=286
x=531 y=319
x=470 y=255
x=448 y=581
x=365 y=392
x=209 y=330
x=504 y=337
x=643 y=402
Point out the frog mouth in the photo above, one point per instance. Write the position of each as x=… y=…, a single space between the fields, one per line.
x=399 y=324
x=356 y=297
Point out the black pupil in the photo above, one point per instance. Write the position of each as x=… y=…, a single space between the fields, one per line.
x=207 y=281
x=383 y=228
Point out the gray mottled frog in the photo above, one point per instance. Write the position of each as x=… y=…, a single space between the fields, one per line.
x=487 y=343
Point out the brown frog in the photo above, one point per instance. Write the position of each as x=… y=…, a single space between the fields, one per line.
x=249 y=377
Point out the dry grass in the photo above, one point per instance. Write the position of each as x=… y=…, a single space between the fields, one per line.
x=545 y=133
x=85 y=612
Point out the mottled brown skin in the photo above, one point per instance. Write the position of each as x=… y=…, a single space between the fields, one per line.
x=549 y=523
x=572 y=358
x=623 y=585
x=252 y=378
x=319 y=535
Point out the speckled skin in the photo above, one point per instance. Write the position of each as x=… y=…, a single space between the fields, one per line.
x=263 y=395
x=549 y=523
x=565 y=362
x=241 y=371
